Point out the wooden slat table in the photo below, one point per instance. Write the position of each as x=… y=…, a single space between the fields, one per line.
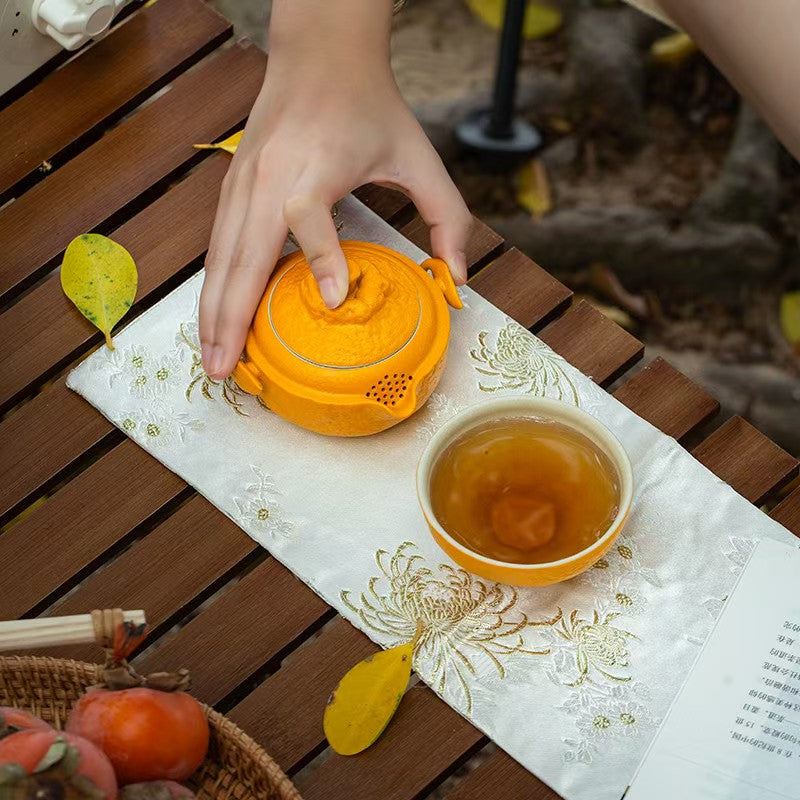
x=104 y=524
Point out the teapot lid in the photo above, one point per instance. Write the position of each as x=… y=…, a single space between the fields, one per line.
x=382 y=313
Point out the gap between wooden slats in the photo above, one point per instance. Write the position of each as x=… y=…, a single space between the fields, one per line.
x=787 y=512
x=746 y=459
x=71 y=106
x=667 y=399
x=522 y=289
x=483 y=243
x=104 y=183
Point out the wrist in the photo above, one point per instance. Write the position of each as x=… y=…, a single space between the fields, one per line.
x=324 y=37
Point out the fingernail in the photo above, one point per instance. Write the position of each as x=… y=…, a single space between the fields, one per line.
x=214 y=361
x=330 y=292
x=458 y=266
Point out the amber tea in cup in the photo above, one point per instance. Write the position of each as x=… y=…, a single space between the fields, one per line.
x=524 y=490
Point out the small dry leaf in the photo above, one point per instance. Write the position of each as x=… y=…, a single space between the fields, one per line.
x=672 y=50
x=790 y=318
x=606 y=282
x=622 y=318
x=533 y=192
x=540 y=20
x=100 y=277
x=229 y=145
x=364 y=702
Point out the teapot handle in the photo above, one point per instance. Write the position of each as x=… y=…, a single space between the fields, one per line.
x=248 y=377
x=444 y=280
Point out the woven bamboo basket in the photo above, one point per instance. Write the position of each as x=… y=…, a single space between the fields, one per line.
x=236 y=768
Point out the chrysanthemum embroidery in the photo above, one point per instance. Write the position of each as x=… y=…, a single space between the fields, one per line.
x=466 y=623
x=519 y=361
x=591 y=649
x=209 y=387
x=259 y=508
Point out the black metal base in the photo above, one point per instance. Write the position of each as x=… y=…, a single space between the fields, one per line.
x=473 y=133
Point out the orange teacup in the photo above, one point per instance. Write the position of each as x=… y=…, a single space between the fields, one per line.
x=540 y=410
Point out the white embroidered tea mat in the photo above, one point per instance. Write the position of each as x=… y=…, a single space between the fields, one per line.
x=570 y=680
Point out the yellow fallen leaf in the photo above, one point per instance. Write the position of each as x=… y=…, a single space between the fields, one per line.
x=672 y=50
x=540 y=20
x=229 y=145
x=790 y=318
x=99 y=276
x=533 y=192
x=622 y=318
x=364 y=702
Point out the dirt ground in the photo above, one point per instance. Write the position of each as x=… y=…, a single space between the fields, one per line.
x=724 y=335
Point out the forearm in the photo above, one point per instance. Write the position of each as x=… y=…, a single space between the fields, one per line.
x=757 y=46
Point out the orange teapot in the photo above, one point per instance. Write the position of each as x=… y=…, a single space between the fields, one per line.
x=360 y=368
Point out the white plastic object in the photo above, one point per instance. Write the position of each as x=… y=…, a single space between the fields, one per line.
x=73 y=22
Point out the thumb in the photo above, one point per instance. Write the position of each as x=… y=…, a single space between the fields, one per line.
x=441 y=206
x=309 y=219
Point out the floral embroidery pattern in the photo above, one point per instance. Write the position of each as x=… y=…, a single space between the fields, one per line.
x=228 y=389
x=518 y=360
x=738 y=552
x=601 y=713
x=591 y=648
x=259 y=509
x=466 y=623
x=157 y=426
x=149 y=381
x=145 y=376
x=437 y=411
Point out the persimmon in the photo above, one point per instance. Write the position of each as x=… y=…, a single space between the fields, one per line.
x=156 y=790
x=33 y=759
x=13 y=720
x=148 y=734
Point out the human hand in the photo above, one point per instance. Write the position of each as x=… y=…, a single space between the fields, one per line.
x=329 y=118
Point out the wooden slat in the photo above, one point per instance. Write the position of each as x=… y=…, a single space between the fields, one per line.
x=483 y=242
x=500 y=770
x=388 y=204
x=284 y=714
x=44 y=330
x=593 y=343
x=89 y=190
x=236 y=635
x=193 y=550
x=522 y=289
x=667 y=399
x=746 y=459
x=111 y=77
x=28 y=83
x=42 y=438
x=787 y=512
x=82 y=520
x=424 y=739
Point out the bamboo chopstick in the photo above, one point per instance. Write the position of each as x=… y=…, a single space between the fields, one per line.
x=26 y=634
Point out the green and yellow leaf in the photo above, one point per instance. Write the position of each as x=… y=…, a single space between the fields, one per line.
x=229 y=145
x=99 y=276
x=540 y=20
x=366 y=698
